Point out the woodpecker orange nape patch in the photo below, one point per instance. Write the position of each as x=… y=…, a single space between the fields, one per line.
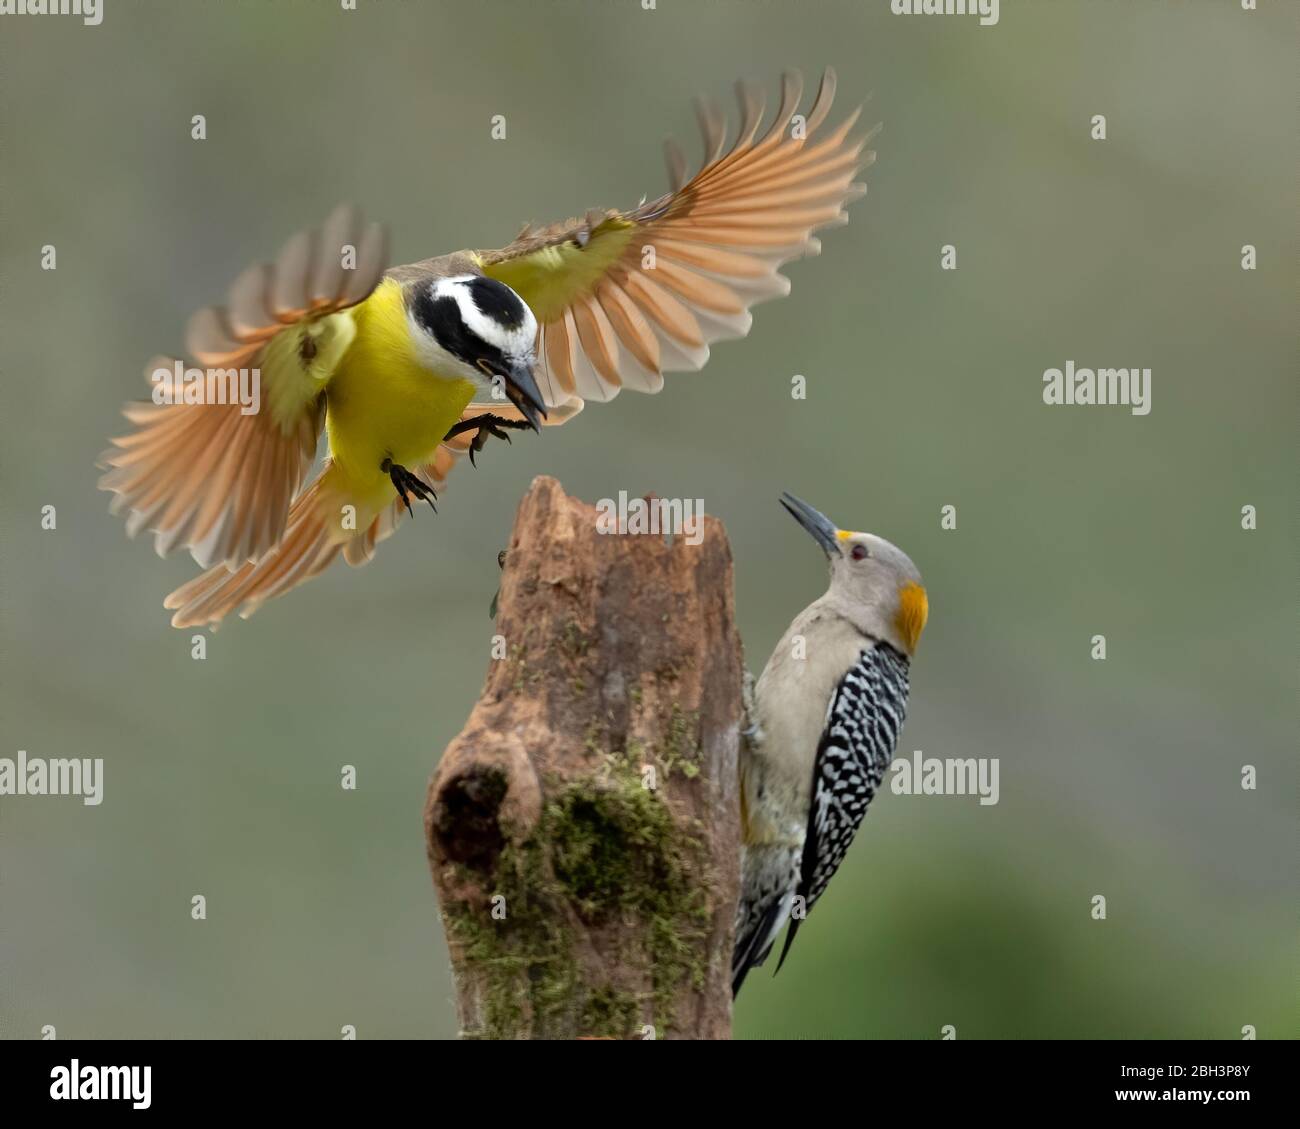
x=913 y=611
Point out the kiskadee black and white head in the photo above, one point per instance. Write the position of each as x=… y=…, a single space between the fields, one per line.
x=478 y=328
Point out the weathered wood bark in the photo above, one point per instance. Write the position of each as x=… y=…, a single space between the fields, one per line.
x=583 y=827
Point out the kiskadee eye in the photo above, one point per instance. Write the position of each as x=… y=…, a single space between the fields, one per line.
x=859 y=553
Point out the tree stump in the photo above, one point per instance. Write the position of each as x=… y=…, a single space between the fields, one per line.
x=583 y=827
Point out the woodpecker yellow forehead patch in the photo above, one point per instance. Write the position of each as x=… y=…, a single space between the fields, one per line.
x=844 y=534
x=913 y=611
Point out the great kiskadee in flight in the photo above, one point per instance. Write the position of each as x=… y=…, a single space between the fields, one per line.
x=407 y=368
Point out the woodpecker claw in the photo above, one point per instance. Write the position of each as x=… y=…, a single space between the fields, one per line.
x=496 y=598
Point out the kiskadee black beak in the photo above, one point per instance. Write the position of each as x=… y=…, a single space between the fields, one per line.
x=520 y=388
x=823 y=530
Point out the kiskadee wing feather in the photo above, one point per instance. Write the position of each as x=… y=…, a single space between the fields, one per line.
x=218 y=455
x=623 y=297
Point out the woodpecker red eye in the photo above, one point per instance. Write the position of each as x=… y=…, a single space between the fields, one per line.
x=859 y=552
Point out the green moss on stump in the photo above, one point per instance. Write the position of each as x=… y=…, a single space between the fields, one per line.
x=681 y=751
x=606 y=853
x=611 y=1014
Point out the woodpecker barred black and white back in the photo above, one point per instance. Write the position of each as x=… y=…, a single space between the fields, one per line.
x=862 y=726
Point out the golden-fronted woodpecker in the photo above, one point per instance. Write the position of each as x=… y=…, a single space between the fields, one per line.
x=824 y=722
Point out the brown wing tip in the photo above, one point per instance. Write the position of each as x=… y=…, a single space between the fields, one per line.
x=713 y=122
x=675 y=159
x=713 y=128
x=208 y=335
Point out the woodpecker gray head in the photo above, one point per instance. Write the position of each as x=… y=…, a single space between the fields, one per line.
x=478 y=328
x=874 y=584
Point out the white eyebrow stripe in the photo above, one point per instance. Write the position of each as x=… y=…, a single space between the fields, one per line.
x=513 y=342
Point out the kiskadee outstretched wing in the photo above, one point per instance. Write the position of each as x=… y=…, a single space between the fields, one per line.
x=218 y=477
x=623 y=297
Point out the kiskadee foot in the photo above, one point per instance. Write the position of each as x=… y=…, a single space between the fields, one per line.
x=486 y=426
x=406 y=483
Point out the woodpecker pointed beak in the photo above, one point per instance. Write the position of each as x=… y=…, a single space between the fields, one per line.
x=823 y=530
x=520 y=388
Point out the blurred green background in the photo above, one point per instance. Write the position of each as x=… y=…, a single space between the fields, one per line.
x=1119 y=778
